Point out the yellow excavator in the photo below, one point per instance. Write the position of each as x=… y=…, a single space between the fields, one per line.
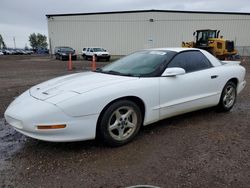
x=210 y=40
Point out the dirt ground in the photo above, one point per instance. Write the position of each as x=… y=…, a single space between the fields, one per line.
x=199 y=149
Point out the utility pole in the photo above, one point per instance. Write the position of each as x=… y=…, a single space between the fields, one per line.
x=14 y=42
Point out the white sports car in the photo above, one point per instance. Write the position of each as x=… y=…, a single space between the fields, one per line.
x=113 y=102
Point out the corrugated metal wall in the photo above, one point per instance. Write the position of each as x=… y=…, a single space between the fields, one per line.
x=124 y=33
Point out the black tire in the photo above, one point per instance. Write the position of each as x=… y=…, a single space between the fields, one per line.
x=108 y=59
x=119 y=123
x=227 y=99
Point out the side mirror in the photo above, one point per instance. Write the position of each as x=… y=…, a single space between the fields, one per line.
x=91 y=51
x=173 y=71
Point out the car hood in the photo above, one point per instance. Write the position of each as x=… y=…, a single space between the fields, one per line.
x=75 y=84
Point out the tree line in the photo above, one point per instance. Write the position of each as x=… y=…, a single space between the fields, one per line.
x=36 y=41
x=2 y=43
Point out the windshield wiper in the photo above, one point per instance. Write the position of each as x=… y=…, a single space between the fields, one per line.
x=119 y=73
x=98 y=70
x=108 y=72
x=115 y=72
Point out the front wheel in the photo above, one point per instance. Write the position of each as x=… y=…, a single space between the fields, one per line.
x=228 y=97
x=119 y=123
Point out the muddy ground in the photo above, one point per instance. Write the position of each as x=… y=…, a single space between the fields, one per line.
x=199 y=149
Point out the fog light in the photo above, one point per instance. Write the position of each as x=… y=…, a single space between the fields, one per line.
x=62 y=126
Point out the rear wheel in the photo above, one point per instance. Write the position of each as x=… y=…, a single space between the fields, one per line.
x=119 y=123
x=228 y=97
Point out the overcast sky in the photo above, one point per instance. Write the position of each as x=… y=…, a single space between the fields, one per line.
x=20 y=18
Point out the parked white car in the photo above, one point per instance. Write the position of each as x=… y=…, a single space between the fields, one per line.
x=1 y=53
x=113 y=102
x=84 y=52
x=100 y=53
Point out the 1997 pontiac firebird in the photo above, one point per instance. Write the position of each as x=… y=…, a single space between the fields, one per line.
x=114 y=101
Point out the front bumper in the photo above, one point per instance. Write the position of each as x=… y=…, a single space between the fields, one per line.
x=103 y=56
x=66 y=57
x=26 y=112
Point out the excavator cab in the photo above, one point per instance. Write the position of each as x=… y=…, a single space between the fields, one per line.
x=203 y=37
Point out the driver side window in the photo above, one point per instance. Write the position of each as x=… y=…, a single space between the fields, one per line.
x=179 y=61
x=190 y=61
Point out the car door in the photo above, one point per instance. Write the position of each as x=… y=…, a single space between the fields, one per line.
x=87 y=52
x=91 y=52
x=193 y=90
x=83 y=51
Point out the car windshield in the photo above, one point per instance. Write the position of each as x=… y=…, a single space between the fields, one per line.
x=139 y=64
x=98 y=50
x=66 y=49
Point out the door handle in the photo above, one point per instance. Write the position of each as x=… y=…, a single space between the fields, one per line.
x=214 y=76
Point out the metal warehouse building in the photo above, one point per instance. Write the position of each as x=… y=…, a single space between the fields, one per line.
x=126 y=31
